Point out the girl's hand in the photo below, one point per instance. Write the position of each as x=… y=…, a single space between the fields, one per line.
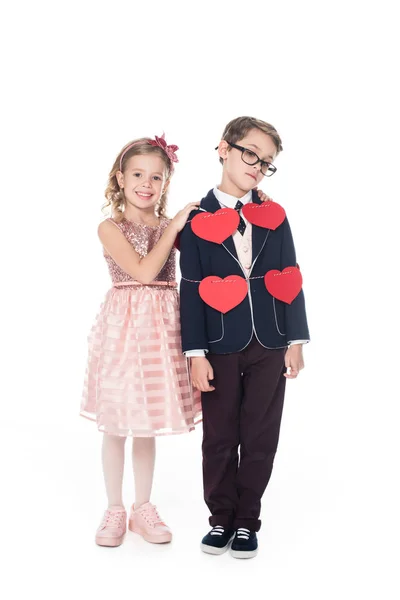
x=263 y=196
x=294 y=361
x=180 y=219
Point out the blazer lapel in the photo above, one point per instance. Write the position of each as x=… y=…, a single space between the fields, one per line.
x=229 y=245
x=259 y=235
x=209 y=203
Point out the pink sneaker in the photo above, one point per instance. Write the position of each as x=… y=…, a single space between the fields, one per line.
x=147 y=522
x=113 y=528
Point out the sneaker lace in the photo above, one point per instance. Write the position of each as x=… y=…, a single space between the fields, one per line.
x=113 y=518
x=217 y=530
x=243 y=534
x=150 y=514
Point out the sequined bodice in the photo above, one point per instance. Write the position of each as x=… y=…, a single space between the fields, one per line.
x=143 y=239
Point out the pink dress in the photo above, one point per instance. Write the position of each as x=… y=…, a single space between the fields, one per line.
x=137 y=380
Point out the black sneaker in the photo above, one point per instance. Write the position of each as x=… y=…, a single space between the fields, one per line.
x=217 y=540
x=245 y=544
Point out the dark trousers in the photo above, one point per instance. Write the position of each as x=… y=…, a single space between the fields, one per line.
x=244 y=411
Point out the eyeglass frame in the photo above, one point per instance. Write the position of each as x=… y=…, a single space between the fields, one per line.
x=259 y=160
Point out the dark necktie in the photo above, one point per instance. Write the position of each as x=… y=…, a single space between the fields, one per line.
x=242 y=225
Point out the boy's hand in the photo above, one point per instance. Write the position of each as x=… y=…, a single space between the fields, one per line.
x=263 y=196
x=294 y=361
x=202 y=373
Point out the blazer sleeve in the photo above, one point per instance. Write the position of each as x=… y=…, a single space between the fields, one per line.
x=295 y=313
x=192 y=309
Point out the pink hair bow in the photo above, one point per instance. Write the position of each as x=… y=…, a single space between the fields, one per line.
x=169 y=150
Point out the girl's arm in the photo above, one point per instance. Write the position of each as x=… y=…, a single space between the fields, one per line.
x=146 y=269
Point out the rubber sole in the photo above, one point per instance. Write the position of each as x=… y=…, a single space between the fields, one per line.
x=156 y=539
x=244 y=554
x=109 y=542
x=216 y=551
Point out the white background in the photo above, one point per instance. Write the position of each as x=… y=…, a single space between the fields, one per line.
x=79 y=80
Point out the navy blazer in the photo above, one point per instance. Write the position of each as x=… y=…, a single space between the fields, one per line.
x=273 y=322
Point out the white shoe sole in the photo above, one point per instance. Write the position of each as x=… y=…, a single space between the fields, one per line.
x=216 y=551
x=244 y=554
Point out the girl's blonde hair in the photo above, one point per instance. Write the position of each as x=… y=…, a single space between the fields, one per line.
x=115 y=197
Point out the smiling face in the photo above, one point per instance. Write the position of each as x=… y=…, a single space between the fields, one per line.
x=238 y=177
x=143 y=181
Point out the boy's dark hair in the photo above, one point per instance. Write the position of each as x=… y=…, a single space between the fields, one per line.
x=238 y=128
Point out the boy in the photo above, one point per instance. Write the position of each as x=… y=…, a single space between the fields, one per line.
x=238 y=341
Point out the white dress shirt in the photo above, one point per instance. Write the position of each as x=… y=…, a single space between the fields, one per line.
x=243 y=246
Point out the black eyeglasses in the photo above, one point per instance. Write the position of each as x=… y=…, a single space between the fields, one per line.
x=250 y=158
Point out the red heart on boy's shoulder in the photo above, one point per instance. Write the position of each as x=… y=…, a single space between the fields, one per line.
x=267 y=214
x=215 y=227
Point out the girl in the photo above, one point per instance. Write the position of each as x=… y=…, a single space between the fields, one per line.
x=137 y=382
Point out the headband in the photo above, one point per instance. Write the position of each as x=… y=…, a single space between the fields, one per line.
x=161 y=143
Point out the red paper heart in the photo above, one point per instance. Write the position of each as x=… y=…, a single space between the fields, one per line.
x=223 y=294
x=216 y=227
x=268 y=214
x=284 y=285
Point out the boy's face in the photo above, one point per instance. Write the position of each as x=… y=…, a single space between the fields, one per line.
x=243 y=176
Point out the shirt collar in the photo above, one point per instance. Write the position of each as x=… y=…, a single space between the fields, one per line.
x=230 y=201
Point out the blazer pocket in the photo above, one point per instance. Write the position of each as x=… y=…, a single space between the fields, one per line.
x=279 y=315
x=216 y=327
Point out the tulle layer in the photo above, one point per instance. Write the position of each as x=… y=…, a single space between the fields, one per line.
x=137 y=379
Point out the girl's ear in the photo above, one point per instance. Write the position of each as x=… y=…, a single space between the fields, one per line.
x=166 y=184
x=120 y=179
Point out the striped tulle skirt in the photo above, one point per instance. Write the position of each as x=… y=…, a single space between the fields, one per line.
x=137 y=380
